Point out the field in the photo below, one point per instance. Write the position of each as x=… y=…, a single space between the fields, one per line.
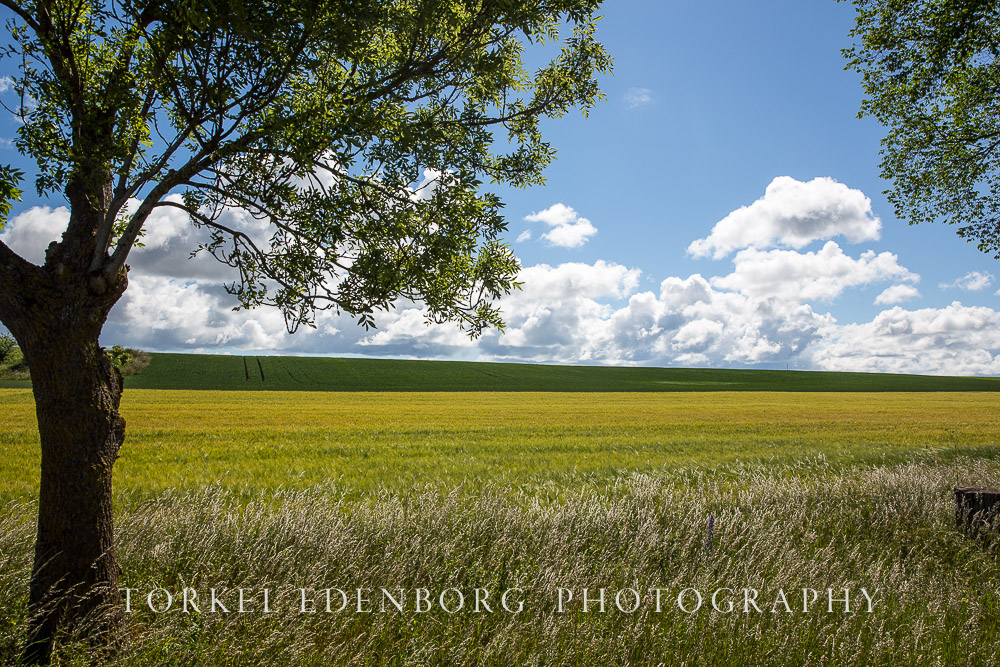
x=276 y=373
x=535 y=492
x=361 y=444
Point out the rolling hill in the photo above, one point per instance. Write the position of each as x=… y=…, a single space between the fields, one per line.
x=195 y=371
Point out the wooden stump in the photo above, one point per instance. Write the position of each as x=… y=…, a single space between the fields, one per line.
x=977 y=507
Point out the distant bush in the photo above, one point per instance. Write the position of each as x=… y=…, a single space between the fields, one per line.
x=12 y=364
x=7 y=346
x=128 y=360
x=138 y=360
x=119 y=356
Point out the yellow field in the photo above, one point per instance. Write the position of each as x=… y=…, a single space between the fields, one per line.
x=365 y=442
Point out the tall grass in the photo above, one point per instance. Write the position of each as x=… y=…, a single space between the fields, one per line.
x=887 y=527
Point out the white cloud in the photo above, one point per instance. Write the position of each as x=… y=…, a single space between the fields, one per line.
x=763 y=312
x=562 y=312
x=637 y=97
x=523 y=236
x=159 y=312
x=810 y=276
x=406 y=328
x=972 y=281
x=30 y=233
x=428 y=185
x=5 y=83
x=794 y=214
x=164 y=225
x=573 y=312
x=955 y=340
x=193 y=284
x=578 y=312
x=567 y=228
x=697 y=335
x=600 y=279
x=897 y=294
x=168 y=237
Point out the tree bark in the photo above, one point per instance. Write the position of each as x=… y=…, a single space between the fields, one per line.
x=56 y=316
x=75 y=575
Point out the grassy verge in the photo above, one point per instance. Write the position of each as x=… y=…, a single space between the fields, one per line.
x=888 y=529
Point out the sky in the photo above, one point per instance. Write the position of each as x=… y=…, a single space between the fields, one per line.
x=721 y=208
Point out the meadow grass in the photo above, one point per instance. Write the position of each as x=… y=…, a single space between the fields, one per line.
x=888 y=529
x=537 y=491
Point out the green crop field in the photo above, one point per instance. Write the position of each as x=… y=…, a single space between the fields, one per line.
x=366 y=442
x=722 y=492
x=276 y=373
x=184 y=371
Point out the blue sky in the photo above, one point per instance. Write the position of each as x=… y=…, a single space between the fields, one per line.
x=739 y=93
x=709 y=105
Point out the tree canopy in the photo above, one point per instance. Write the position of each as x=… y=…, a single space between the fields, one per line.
x=315 y=117
x=931 y=75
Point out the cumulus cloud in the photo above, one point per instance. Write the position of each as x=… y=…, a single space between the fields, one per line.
x=972 y=281
x=955 y=340
x=5 y=83
x=168 y=238
x=162 y=313
x=697 y=334
x=810 y=276
x=405 y=330
x=897 y=294
x=561 y=310
x=575 y=312
x=30 y=233
x=523 y=236
x=690 y=321
x=567 y=228
x=794 y=214
x=637 y=97
x=579 y=312
x=764 y=311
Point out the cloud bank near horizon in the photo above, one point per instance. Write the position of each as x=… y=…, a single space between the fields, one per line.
x=770 y=308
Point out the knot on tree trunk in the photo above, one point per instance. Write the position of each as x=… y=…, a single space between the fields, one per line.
x=97 y=284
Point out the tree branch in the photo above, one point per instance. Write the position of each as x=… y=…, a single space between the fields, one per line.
x=131 y=233
x=21 y=14
x=15 y=271
x=261 y=256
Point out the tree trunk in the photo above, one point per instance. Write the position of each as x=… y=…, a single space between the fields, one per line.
x=74 y=582
x=56 y=313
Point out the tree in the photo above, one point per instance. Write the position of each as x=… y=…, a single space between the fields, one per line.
x=931 y=75
x=315 y=117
